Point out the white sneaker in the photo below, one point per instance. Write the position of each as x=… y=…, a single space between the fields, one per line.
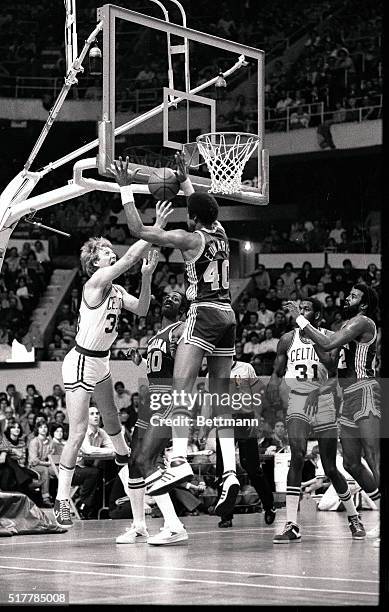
x=375 y=532
x=133 y=535
x=168 y=536
x=178 y=471
x=229 y=493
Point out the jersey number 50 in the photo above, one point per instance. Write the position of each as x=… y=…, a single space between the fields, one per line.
x=212 y=274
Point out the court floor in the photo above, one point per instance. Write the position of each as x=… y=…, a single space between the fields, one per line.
x=217 y=566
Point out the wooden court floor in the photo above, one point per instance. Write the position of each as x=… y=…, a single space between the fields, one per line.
x=238 y=566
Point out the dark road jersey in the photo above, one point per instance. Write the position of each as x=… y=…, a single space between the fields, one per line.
x=360 y=360
x=207 y=276
x=160 y=362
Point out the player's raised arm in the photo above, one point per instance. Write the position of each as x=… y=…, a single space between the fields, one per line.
x=140 y=306
x=179 y=239
x=272 y=389
x=353 y=329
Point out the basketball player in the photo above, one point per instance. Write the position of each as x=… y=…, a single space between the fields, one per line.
x=85 y=368
x=245 y=383
x=150 y=437
x=360 y=418
x=309 y=372
x=209 y=329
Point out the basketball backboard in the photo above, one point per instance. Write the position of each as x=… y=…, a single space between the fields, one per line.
x=150 y=129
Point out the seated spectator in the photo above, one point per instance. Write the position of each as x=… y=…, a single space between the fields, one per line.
x=327 y=277
x=352 y=113
x=251 y=347
x=27 y=422
x=122 y=397
x=280 y=326
x=299 y=119
x=59 y=396
x=288 y=276
x=14 y=398
x=340 y=114
x=161 y=276
x=344 y=246
x=253 y=326
x=96 y=442
x=16 y=447
x=279 y=439
x=41 y=255
x=316 y=238
x=298 y=235
x=261 y=280
x=269 y=344
x=282 y=292
x=265 y=316
x=350 y=275
x=376 y=283
x=321 y=293
x=59 y=417
x=34 y=396
x=57 y=442
x=68 y=329
x=336 y=233
x=144 y=341
x=125 y=421
x=38 y=453
x=300 y=291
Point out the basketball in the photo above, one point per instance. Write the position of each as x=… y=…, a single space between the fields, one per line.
x=163 y=184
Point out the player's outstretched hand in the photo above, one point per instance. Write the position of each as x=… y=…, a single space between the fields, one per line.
x=162 y=210
x=150 y=263
x=182 y=170
x=293 y=308
x=121 y=172
x=311 y=405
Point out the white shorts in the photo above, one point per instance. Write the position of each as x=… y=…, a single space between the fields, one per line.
x=324 y=419
x=84 y=372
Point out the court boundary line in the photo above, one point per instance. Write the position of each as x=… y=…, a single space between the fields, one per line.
x=196 y=581
x=186 y=569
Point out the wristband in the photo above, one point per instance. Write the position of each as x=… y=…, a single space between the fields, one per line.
x=127 y=195
x=187 y=187
x=302 y=321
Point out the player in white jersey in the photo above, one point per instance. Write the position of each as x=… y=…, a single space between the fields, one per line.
x=86 y=367
x=311 y=375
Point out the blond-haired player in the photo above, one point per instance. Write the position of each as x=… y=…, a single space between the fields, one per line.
x=86 y=367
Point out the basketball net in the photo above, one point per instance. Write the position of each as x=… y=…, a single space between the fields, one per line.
x=226 y=154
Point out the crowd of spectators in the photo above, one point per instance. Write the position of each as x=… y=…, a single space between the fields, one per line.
x=24 y=276
x=325 y=235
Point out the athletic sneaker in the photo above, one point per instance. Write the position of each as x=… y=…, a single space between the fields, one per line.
x=62 y=513
x=178 y=471
x=356 y=527
x=121 y=459
x=133 y=535
x=168 y=536
x=375 y=532
x=225 y=523
x=270 y=515
x=230 y=490
x=290 y=534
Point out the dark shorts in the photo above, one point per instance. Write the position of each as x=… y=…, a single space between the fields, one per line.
x=211 y=327
x=159 y=404
x=360 y=400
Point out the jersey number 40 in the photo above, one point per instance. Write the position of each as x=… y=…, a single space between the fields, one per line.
x=216 y=270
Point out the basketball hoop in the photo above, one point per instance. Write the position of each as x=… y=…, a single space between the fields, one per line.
x=226 y=154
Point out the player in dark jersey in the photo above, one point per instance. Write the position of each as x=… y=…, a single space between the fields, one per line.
x=360 y=418
x=150 y=437
x=209 y=330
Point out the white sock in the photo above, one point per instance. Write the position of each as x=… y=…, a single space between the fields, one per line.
x=137 y=499
x=227 y=446
x=65 y=476
x=119 y=443
x=348 y=503
x=292 y=503
x=165 y=505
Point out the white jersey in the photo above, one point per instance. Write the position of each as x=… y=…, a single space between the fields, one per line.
x=97 y=325
x=243 y=378
x=304 y=370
